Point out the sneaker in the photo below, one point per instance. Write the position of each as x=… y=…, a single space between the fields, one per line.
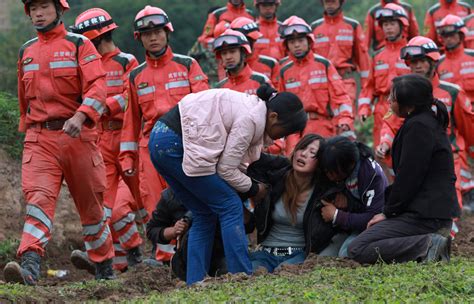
x=104 y=270
x=134 y=256
x=80 y=260
x=439 y=249
x=29 y=271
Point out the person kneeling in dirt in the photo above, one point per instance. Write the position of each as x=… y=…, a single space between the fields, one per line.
x=283 y=216
x=421 y=202
x=356 y=184
x=168 y=231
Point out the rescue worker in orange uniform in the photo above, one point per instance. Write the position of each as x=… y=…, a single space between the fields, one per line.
x=155 y=87
x=437 y=12
x=97 y=25
x=61 y=94
x=316 y=82
x=422 y=55
x=469 y=40
x=233 y=48
x=375 y=37
x=270 y=42
x=341 y=40
x=457 y=66
x=259 y=63
x=233 y=10
x=386 y=65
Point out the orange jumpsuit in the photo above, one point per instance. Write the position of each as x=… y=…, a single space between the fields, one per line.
x=118 y=200
x=461 y=123
x=469 y=39
x=437 y=12
x=265 y=65
x=227 y=13
x=270 y=44
x=316 y=82
x=375 y=37
x=457 y=66
x=386 y=65
x=341 y=40
x=247 y=81
x=60 y=74
x=155 y=87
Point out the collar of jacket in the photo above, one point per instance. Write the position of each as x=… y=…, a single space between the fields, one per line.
x=456 y=53
x=333 y=19
x=241 y=76
x=111 y=54
x=236 y=10
x=396 y=45
x=445 y=4
x=160 y=61
x=57 y=32
x=262 y=20
x=304 y=60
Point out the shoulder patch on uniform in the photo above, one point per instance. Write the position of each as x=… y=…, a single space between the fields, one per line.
x=259 y=77
x=142 y=85
x=434 y=8
x=354 y=23
x=316 y=23
x=183 y=60
x=27 y=60
x=26 y=45
x=267 y=60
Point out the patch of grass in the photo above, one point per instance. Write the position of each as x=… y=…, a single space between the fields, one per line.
x=411 y=282
x=8 y=250
x=13 y=292
x=10 y=139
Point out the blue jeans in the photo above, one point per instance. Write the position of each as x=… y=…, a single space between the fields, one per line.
x=209 y=198
x=265 y=259
x=339 y=244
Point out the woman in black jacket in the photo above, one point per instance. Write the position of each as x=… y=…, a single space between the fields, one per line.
x=421 y=203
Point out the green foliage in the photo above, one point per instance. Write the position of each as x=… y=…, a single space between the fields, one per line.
x=8 y=250
x=10 y=139
x=406 y=283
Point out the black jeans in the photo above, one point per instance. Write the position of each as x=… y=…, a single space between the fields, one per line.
x=400 y=239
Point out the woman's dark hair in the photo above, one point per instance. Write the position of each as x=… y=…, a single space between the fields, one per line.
x=293 y=189
x=339 y=155
x=288 y=106
x=416 y=90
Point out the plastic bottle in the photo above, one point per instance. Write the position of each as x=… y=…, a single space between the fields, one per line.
x=57 y=273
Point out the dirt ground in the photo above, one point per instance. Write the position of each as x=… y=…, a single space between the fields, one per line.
x=134 y=283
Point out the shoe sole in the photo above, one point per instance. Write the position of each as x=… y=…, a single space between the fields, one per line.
x=79 y=263
x=12 y=273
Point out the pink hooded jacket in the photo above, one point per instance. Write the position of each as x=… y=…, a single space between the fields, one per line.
x=223 y=132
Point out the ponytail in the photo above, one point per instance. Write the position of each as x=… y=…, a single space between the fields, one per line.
x=442 y=115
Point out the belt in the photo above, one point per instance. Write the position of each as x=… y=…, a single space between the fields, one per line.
x=53 y=125
x=346 y=73
x=112 y=125
x=282 y=251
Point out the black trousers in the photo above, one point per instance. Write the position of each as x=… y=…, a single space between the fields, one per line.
x=400 y=239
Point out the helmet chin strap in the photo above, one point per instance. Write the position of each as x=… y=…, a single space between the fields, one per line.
x=303 y=55
x=234 y=68
x=452 y=48
x=160 y=52
x=52 y=25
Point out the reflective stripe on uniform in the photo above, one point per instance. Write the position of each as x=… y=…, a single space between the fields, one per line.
x=466 y=174
x=364 y=101
x=380 y=67
x=115 y=83
x=350 y=134
x=31 y=67
x=90 y=58
x=293 y=85
x=93 y=229
x=364 y=74
x=177 y=84
x=95 y=104
x=388 y=137
x=446 y=76
x=322 y=39
x=391 y=172
x=466 y=71
x=344 y=38
x=467 y=185
x=118 y=248
x=402 y=65
x=127 y=236
x=62 y=64
x=344 y=108
x=318 y=80
x=119 y=225
x=142 y=213
x=263 y=40
x=117 y=260
x=146 y=90
x=99 y=242
x=168 y=248
x=107 y=212
x=34 y=231
x=128 y=146
x=121 y=101
x=38 y=214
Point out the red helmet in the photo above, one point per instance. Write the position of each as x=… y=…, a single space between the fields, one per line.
x=420 y=47
x=62 y=3
x=220 y=28
x=451 y=24
x=150 y=18
x=392 y=11
x=246 y=26
x=230 y=39
x=295 y=25
x=93 y=23
x=257 y=2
